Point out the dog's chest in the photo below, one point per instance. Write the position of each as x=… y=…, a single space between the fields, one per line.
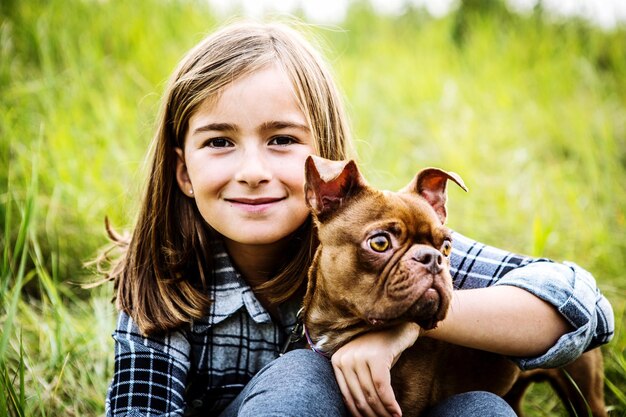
x=431 y=371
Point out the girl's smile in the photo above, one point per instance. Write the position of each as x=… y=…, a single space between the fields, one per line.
x=254 y=205
x=244 y=159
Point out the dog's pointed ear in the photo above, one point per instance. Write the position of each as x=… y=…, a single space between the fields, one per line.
x=430 y=183
x=329 y=183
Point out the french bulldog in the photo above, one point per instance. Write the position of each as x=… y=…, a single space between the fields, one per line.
x=384 y=258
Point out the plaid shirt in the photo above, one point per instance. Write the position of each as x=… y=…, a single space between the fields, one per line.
x=206 y=366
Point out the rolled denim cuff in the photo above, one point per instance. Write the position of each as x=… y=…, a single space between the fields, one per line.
x=573 y=292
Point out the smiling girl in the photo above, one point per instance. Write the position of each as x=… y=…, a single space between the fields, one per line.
x=209 y=285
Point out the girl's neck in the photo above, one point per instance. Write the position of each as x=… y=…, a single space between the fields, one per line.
x=256 y=263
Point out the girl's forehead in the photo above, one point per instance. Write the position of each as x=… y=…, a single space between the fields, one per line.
x=267 y=91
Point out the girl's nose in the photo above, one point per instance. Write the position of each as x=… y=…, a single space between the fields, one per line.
x=253 y=168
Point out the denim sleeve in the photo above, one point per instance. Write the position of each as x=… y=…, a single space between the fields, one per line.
x=150 y=373
x=573 y=291
x=568 y=287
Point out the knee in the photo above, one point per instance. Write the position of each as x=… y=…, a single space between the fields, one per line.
x=475 y=403
x=304 y=371
x=297 y=382
x=304 y=361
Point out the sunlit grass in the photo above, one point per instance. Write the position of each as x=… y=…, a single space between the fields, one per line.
x=532 y=116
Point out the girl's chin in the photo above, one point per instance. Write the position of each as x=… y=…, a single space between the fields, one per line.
x=260 y=238
x=255 y=233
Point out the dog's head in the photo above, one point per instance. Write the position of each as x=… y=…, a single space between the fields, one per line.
x=383 y=256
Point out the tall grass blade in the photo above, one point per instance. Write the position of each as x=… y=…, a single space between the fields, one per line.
x=5 y=271
x=580 y=394
x=617 y=391
x=13 y=403
x=21 y=251
x=21 y=373
x=4 y=405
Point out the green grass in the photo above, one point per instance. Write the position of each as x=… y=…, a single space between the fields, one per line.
x=531 y=114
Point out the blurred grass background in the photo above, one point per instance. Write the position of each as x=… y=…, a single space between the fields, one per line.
x=531 y=112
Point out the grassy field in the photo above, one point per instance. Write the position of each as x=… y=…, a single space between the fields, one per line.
x=531 y=113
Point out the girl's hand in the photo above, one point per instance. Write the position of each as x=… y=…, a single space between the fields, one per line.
x=362 y=368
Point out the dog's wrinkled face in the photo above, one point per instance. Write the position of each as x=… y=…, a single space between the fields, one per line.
x=391 y=266
x=383 y=256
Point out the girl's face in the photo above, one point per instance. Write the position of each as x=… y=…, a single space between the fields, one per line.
x=244 y=159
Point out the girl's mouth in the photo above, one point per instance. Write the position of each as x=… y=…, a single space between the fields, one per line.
x=254 y=205
x=254 y=201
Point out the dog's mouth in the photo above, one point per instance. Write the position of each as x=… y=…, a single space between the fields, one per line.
x=427 y=311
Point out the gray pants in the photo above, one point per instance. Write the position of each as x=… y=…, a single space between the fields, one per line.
x=302 y=384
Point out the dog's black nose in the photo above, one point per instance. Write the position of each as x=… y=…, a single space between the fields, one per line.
x=431 y=258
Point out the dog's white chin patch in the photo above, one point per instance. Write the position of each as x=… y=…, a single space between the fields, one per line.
x=320 y=343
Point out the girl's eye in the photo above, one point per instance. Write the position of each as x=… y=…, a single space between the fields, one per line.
x=218 y=143
x=379 y=243
x=446 y=248
x=282 y=140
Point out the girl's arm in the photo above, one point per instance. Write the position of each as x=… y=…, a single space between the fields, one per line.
x=515 y=295
x=523 y=324
x=150 y=372
x=543 y=313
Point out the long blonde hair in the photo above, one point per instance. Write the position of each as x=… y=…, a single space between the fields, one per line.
x=162 y=277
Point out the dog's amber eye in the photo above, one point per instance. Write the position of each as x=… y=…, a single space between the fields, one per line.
x=446 y=248
x=379 y=243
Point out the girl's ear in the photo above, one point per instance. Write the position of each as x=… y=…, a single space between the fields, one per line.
x=182 y=177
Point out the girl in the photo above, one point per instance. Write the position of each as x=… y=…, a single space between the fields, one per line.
x=214 y=272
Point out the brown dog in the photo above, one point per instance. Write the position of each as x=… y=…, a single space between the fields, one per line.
x=383 y=259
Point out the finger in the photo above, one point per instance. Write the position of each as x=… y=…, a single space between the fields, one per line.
x=361 y=402
x=370 y=391
x=345 y=392
x=358 y=406
x=381 y=380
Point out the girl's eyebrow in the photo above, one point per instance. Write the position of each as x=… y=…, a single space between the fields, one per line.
x=220 y=127
x=269 y=125
x=277 y=125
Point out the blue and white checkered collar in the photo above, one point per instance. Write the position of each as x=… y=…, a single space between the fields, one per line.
x=230 y=292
